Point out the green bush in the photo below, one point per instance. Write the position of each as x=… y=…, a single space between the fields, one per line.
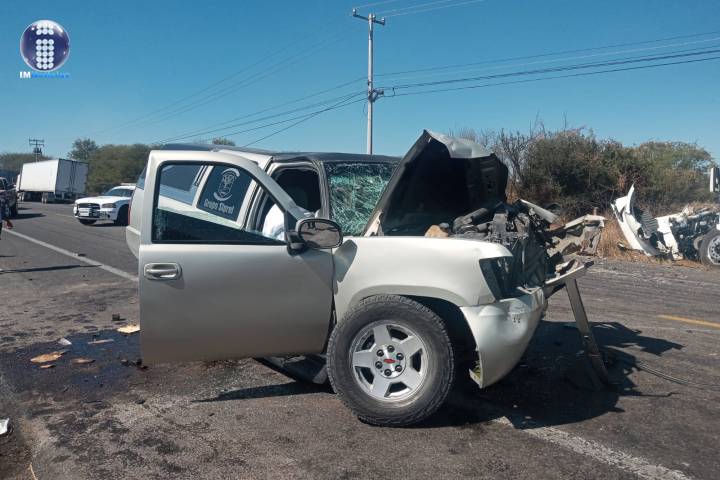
x=578 y=171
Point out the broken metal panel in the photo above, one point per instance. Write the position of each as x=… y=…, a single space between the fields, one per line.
x=674 y=236
x=439 y=179
x=630 y=226
x=581 y=235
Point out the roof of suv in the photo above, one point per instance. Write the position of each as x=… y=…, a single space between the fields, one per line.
x=323 y=157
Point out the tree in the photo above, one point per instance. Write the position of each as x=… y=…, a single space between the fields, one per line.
x=223 y=141
x=83 y=149
x=11 y=163
x=114 y=164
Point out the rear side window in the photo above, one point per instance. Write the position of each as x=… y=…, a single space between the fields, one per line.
x=208 y=217
x=141 y=179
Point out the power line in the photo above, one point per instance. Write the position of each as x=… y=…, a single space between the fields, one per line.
x=375 y=4
x=417 y=8
x=550 y=70
x=550 y=54
x=203 y=90
x=228 y=123
x=581 y=74
x=308 y=117
x=253 y=79
x=303 y=118
x=563 y=59
x=249 y=122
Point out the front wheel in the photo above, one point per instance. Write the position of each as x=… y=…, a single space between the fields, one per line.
x=14 y=210
x=710 y=249
x=391 y=361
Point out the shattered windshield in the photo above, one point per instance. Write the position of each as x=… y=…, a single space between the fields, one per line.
x=355 y=189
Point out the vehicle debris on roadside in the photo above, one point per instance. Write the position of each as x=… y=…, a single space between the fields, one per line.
x=48 y=357
x=64 y=342
x=131 y=328
x=693 y=233
x=82 y=361
x=5 y=427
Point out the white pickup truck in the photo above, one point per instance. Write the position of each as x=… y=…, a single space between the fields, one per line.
x=353 y=280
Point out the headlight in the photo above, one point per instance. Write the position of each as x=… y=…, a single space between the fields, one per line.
x=107 y=205
x=499 y=277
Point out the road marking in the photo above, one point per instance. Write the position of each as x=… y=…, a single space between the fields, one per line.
x=621 y=460
x=690 y=320
x=89 y=261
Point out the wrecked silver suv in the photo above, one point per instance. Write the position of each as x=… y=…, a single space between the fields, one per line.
x=322 y=259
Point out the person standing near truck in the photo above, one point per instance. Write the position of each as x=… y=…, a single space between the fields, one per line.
x=5 y=215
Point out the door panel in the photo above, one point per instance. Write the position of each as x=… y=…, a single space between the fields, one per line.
x=211 y=289
x=234 y=301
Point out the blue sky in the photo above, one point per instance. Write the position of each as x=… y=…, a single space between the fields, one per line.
x=131 y=58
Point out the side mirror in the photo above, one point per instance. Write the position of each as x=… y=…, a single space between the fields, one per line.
x=319 y=233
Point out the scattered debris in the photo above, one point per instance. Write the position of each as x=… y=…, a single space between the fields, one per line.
x=47 y=365
x=125 y=362
x=690 y=234
x=116 y=317
x=5 y=427
x=80 y=254
x=140 y=401
x=581 y=235
x=132 y=328
x=64 y=342
x=82 y=360
x=101 y=341
x=48 y=357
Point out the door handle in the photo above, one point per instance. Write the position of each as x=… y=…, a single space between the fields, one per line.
x=162 y=271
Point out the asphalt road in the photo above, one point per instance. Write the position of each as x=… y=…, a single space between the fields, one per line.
x=240 y=419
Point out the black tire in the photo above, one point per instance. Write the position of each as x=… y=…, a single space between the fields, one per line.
x=87 y=222
x=710 y=240
x=440 y=367
x=122 y=217
x=14 y=210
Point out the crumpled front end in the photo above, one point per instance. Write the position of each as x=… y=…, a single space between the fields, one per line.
x=502 y=332
x=674 y=236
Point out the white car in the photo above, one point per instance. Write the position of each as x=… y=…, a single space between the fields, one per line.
x=113 y=205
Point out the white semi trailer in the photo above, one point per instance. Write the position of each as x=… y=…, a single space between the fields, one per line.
x=52 y=180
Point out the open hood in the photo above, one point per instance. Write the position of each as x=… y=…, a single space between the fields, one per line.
x=439 y=179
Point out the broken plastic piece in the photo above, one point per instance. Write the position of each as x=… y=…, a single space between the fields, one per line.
x=5 y=427
x=47 y=365
x=101 y=341
x=132 y=328
x=64 y=342
x=82 y=361
x=47 y=357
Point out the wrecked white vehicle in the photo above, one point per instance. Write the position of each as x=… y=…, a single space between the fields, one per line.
x=692 y=234
x=248 y=253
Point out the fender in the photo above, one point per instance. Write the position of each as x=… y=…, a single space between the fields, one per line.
x=444 y=268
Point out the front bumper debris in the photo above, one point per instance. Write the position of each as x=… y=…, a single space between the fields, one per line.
x=502 y=331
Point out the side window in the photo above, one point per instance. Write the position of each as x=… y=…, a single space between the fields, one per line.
x=141 y=179
x=181 y=215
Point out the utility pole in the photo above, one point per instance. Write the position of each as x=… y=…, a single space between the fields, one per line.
x=37 y=145
x=372 y=94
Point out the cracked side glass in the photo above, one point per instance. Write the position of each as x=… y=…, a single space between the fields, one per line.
x=355 y=189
